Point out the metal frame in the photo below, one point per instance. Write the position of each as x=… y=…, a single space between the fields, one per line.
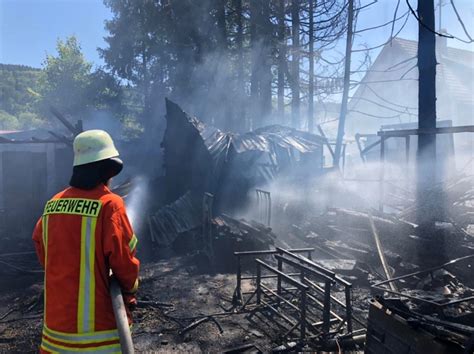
x=402 y=133
x=297 y=278
x=330 y=276
x=262 y=291
x=329 y=145
x=237 y=297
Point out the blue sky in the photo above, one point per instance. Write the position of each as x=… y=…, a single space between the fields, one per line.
x=29 y=28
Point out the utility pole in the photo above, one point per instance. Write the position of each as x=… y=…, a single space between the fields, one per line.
x=311 y=68
x=428 y=201
x=347 y=77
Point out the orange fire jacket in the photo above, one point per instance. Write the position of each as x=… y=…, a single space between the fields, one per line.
x=81 y=236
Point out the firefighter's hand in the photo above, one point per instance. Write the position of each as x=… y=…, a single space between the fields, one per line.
x=130 y=302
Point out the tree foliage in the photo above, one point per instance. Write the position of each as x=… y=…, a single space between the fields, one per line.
x=70 y=84
x=66 y=79
x=17 y=104
x=224 y=60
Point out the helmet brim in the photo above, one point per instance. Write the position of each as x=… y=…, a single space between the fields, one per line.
x=90 y=175
x=116 y=166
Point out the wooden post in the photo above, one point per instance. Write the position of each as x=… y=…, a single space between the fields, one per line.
x=327 y=309
x=238 y=290
x=348 y=293
x=303 y=316
x=259 y=288
x=407 y=162
x=382 y=173
x=426 y=155
x=280 y=268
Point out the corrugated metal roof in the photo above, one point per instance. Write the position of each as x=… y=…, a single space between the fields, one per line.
x=250 y=142
x=262 y=149
x=260 y=140
x=183 y=215
x=263 y=140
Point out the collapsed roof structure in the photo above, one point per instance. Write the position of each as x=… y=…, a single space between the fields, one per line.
x=220 y=158
x=200 y=159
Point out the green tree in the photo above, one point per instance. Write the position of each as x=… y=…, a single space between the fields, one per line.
x=224 y=60
x=70 y=85
x=175 y=48
x=30 y=120
x=136 y=49
x=66 y=78
x=16 y=83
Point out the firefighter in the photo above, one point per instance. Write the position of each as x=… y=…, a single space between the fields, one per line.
x=83 y=236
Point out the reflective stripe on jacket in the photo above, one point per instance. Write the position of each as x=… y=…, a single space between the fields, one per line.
x=81 y=236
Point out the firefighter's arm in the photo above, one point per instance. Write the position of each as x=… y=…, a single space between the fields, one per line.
x=38 y=241
x=120 y=248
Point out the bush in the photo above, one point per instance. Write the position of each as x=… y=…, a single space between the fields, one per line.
x=8 y=122
x=29 y=120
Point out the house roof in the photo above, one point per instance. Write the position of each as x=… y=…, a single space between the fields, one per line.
x=455 y=70
x=25 y=135
x=33 y=136
x=454 y=67
x=461 y=55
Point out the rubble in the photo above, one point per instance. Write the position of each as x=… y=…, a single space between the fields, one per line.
x=392 y=325
x=459 y=209
x=180 y=226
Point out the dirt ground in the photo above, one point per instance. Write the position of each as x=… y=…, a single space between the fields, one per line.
x=193 y=295
x=173 y=294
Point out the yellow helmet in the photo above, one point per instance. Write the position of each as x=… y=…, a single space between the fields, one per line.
x=93 y=145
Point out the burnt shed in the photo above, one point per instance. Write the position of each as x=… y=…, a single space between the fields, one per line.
x=33 y=166
x=201 y=158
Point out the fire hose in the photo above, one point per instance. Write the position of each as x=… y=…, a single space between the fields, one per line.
x=121 y=319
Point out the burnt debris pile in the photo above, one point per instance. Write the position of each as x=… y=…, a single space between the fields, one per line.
x=422 y=282
x=320 y=299
x=211 y=175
